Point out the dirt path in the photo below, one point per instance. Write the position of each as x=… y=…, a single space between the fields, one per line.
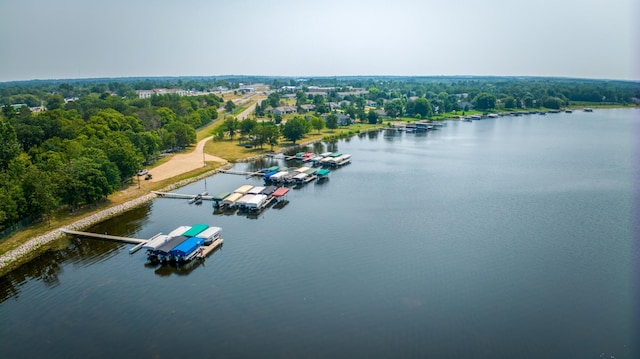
x=184 y=162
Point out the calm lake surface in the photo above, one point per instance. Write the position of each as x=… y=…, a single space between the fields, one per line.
x=508 y=237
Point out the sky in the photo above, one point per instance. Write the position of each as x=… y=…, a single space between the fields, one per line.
x=63 y=39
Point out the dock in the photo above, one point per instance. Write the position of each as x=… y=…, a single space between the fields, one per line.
x=242 y=173
x=182 y=195
x=210 y=248
x=104 y=236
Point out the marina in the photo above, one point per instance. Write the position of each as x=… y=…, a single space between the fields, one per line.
x=180 y=246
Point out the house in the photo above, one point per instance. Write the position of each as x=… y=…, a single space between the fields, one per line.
x=308 y=107
x=283 y=110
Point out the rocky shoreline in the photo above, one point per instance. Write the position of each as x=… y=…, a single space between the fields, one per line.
x=22 y=253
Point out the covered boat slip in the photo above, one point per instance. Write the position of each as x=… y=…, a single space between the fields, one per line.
x=232 y=199
x=210 y=234
x=186 y=248
x=268 y=191
x=243 y=189
x=193 y=231
x=256 y=190
x=220 y=196
x=156 y=242
x=280 y=192
x=166 y=247
x=178 y=231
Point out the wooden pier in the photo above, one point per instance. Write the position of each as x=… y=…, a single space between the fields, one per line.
x=181 y=195
x=210 y=248
x=104 y=236
x=242 y=173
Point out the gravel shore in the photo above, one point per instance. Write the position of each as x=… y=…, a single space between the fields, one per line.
x=22 y=252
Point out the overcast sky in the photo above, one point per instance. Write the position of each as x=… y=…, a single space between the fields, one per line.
x=53 y=39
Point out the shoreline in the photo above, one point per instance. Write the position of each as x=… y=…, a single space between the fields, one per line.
x=34 y=247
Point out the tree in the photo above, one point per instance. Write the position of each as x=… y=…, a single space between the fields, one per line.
x=421 y=107
x=509 y=102
x=317 y=123
x=294 y=129
x=231 y=125
x=393 y=108
x=484 y=101
x=54 y=101
x=229 y=106
x=372 y=116
x=332 y=121
x=247 y=125
x=270 y=133
x=9 y=148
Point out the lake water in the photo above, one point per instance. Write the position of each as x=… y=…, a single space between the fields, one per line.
x=508 y=237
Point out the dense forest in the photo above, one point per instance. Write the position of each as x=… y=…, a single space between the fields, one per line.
x=80 y=150
x=89 y=137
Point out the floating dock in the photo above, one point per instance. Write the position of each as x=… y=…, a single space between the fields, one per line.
x=211 y=247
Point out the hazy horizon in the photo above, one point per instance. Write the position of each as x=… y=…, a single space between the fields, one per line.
x=74 y=39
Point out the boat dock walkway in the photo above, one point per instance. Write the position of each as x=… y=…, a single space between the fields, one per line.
x=210 y=248
x=242 y=173
x=181 y=195
x=104 y=236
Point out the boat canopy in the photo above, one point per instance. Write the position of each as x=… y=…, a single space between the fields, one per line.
x=178 y=231
x=171 y=244
x=273 y=168
x=243 y=189
x=269 y=190
x=245 y=199
x=256 y=201
x=300 y=176
x=187 y=247
x=256 y=190
x=279 y=175
x=156 y=242
x=269 y=174
x=232 y=198
x=197 y=228
x=302 y=169
x=335 y=154
x=211 y=232
x=280 y=192
x=220 y=196
x=325 y=154
x=323 y=172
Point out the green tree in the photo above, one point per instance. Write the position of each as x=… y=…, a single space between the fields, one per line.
x=317 y=123
x=294 y=129
x=393 y=108
x=54 y=101
x=484 y=101
x=247 y=125
x=332 y=121
x=9 y=146
x=271 y=134
x=229 y=106
x=231 y=124
x=372 y=116
x=509 y=102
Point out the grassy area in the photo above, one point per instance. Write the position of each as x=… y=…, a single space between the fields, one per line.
x=232 y=151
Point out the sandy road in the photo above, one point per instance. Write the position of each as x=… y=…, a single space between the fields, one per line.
x=184 y=162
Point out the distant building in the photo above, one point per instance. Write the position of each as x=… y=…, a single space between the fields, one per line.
x=283 y=110
x=159 y=92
